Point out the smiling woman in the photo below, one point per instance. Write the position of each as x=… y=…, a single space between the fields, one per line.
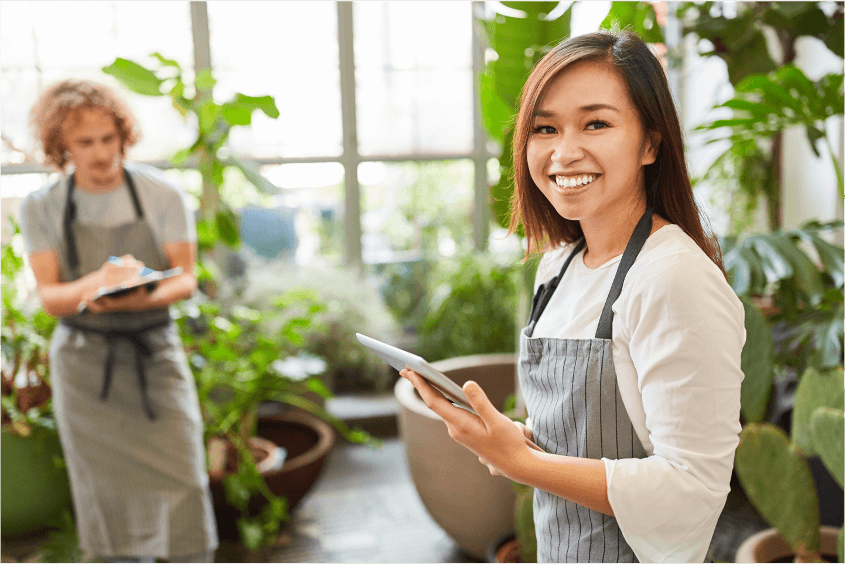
x=630 y=362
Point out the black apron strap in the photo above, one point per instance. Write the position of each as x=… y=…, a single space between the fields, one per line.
x=635 y=245
x=545 y=291
x=70 y=216
x=142 y=349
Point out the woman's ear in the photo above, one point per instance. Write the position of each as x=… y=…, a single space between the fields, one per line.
x=652 y=145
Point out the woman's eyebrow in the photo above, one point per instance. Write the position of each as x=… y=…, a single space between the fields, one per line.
x=583 y=109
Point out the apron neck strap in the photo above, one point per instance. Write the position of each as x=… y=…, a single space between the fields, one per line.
x=70 y=216
x=635 y=245
x=545 y=291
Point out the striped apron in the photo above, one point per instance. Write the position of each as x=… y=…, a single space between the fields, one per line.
x=127 y=410
x=573 y=400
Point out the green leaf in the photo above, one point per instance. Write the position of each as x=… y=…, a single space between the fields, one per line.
x=831 y=257
x=227 y=227
x=775 y=266
x=319 y=388
x=167 y=62
x=254 y=176
x=814 y=135
x=815 y=389
x=756 y=362
x=779 y=484
x=205 y=80
x=826 y=432
x=498 y=115
x=501 y=193
x=207 y=116
x=135 y=77
x=251 y=103
x=251 y=534
x=806 y=274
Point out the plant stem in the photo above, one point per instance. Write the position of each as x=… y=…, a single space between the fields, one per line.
x=836 y=166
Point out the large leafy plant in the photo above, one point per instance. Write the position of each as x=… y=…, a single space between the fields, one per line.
x=769 y=98
x=803 y=275
x=213 y=121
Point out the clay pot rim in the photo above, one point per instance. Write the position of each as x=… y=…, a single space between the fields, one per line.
x=408 y=397
x=750 y=547
x=325 y=439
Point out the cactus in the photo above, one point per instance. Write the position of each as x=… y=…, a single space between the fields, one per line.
x=524 y=523
x=826 y=429
x=757 y=357
x=815 y=389
x=778 y=482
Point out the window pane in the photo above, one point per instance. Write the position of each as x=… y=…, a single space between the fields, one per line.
x=44 y=42
x=413 y=95
x=287 y=50
x=304 y=222
x=415 y=210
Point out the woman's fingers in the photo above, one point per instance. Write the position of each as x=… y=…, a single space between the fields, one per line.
x=493 y=470
x=432 y=398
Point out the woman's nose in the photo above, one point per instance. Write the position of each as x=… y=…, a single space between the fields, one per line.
x=567 y=149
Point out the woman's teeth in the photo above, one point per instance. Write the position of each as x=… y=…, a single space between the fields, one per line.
x=564 y=182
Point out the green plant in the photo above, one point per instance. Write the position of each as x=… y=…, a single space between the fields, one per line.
x=737 y=34
x=765 y=105
x=803 y=275
x=338 y=303
x=214 y=122
x=26 y=398
x=471 y=310
x=773 y=470
x=240 y=358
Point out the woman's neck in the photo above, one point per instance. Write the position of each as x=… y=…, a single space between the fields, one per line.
x=604 y=243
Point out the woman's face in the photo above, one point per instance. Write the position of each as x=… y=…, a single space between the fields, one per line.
x=587 y=147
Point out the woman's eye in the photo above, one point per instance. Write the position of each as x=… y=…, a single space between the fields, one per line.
x=597 y=124
x=546 y=129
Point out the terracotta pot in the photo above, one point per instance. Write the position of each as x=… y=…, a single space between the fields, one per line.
x=505 y=550
x=768 y=546
x=473 y=507
x=307 y=440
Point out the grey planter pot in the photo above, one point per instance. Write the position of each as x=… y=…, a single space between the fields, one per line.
x=473 y=507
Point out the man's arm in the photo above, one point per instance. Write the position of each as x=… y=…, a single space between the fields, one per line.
x=61 y=299
x=167 y=291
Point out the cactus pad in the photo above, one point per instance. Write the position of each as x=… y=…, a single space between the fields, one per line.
x=778 y=482
x=827 y=427
x=815 y=389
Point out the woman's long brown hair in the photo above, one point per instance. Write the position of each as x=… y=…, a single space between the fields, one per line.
x=668 y=191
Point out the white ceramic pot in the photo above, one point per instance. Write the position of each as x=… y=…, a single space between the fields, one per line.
x=768 y=546
x=473 y=507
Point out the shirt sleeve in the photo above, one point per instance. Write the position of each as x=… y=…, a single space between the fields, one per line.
x=38 y=233
x=685 y=336
x=177 y=218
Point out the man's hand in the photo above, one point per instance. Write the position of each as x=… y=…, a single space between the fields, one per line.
x=111 y=274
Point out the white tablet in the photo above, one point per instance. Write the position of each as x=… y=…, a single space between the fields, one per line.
x=400 y=360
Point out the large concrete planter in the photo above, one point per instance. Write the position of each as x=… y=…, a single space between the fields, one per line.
x=768 y=546
x=473 y=507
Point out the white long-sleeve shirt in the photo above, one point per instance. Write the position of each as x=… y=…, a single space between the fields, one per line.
x=678 y=332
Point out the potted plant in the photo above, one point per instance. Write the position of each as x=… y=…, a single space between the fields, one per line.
x=35 y=484
x=241 y=359
x=773 y=470
x=335 y=313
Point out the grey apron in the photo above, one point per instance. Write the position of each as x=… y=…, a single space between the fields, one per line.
x=570 y=390
x=127 y=410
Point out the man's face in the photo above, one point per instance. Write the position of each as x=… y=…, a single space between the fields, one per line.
x=94 y=144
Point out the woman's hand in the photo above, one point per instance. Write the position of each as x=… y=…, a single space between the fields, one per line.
x=527 y=433
x=491 y=435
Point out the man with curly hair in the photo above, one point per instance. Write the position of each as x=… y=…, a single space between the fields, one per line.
x=124 y=397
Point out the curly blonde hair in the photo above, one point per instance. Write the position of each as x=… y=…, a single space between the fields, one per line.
x=65 y=99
